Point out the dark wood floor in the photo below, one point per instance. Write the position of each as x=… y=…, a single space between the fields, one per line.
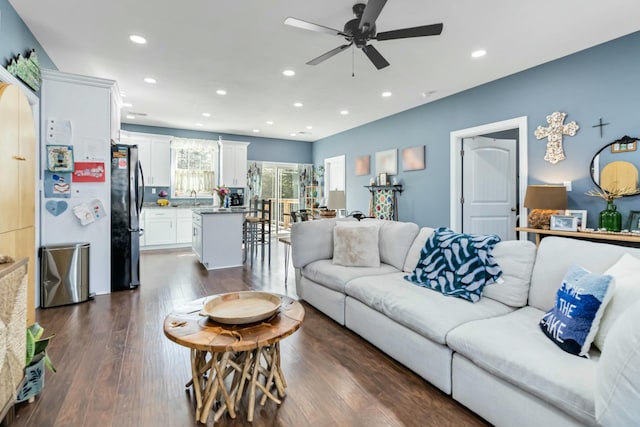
x=116 y=368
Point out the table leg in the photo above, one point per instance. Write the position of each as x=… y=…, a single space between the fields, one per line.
x=287 y=252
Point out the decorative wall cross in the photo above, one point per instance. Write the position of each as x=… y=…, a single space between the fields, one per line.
x=554 y=132
x=600 y=125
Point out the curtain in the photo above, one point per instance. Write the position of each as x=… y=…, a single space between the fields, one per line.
x=195 y=162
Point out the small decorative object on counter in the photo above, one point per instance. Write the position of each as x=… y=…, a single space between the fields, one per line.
x=609 y=219
x=222 y=192
x=163 y=193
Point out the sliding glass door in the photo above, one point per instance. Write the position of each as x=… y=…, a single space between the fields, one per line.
x=281 y=184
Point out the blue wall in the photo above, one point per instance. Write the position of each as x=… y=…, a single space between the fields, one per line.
x=260 y=149
x=16 y=38
x=597 y=82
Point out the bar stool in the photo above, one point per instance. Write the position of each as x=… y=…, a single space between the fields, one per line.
x=257 y=230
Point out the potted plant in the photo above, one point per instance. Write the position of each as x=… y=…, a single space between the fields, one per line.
x=36 y=359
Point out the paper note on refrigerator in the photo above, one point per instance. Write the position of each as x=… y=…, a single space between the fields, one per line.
x=58 y=131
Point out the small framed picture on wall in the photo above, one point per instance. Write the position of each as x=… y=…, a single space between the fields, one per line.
x=413 y=158
x=363 y=165
x=387 y=162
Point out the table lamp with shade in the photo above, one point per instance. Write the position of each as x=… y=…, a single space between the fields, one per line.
x=336 y=201
x=544 y=201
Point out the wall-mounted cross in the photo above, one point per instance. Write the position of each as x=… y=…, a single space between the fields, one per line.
x=600 y=125
x=554 y=133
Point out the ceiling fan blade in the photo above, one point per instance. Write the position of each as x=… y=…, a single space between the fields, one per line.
x=299 y=23
x=375 y=57
x=405 y=33
x=325 y=56
x=371 y=13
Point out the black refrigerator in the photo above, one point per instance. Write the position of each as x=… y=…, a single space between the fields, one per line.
x=127 y=195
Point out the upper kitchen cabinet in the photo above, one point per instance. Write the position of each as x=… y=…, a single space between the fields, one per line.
x=233 y=163
x=154 y=153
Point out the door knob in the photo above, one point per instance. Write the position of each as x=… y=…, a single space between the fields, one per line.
x=513 y=209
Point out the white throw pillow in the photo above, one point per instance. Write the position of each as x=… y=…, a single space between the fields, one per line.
x=626 y=273
x=356 y=246
x=618 y=377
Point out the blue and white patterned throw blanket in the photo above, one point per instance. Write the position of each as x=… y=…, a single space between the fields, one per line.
x=458 y=265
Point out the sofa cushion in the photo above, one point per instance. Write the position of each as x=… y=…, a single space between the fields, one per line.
x=333 y=276
x=356 y=246
x=428 y=313
x=626 y=273
x=513 y=348
x=515 y=258
x=311 y=241
x=573 y=322
x=458 y=265
x=555 y=256
x=413 y=255
x=395 y=240
x=618 y=378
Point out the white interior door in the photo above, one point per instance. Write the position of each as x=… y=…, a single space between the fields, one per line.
x=489 y=204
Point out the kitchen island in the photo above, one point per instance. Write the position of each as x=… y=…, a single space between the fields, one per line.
x=217 y=236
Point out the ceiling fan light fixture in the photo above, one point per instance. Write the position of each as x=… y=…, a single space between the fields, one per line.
x=478 y=53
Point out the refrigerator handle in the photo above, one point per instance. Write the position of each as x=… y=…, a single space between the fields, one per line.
x=140 y=197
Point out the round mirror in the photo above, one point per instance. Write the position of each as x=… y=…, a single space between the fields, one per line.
x=614 y=169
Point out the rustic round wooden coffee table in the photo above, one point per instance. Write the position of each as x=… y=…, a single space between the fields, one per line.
x=250 y=353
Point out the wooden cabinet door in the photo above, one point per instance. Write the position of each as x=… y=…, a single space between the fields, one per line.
x=9 y=154
x=26 y=167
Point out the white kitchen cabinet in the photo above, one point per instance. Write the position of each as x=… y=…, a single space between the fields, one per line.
x=217 y=238
x=233 y=163
x=183 y=225
x=142 y=227
x=160 y=227
x=196 y=235
x=154 y=153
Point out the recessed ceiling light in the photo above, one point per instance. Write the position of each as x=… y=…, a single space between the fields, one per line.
x=293 y=134
x=309 y=127
x=297 y=104
x=221 y=92
x=386 y=94
x=130 y=116
x=269 y=122
x=127 y=104
x=479 y=53
x=206 y=114
x=137 y=39
x=344 y=112
x=289 y=73
x=256 y=131
x=150 y=80
x=198 y=124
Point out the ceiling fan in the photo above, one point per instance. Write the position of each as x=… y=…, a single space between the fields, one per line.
x=361 y=30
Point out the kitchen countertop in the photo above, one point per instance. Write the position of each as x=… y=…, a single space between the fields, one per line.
x=212 y=210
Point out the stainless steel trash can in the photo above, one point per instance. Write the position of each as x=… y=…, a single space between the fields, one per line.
x=64 y=274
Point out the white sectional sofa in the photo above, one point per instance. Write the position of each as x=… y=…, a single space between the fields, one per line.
x=490 y=355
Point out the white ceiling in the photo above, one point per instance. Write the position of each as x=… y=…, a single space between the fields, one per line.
x=198 y=46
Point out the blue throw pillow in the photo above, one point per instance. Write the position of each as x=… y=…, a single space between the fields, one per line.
x=458 y=265
x=580 y=302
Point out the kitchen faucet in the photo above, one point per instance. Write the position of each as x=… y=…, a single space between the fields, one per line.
x=194 y=194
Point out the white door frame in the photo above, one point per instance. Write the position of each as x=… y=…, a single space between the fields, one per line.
x=455 y=186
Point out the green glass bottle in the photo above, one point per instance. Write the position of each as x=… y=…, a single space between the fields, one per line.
x=610 y=219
